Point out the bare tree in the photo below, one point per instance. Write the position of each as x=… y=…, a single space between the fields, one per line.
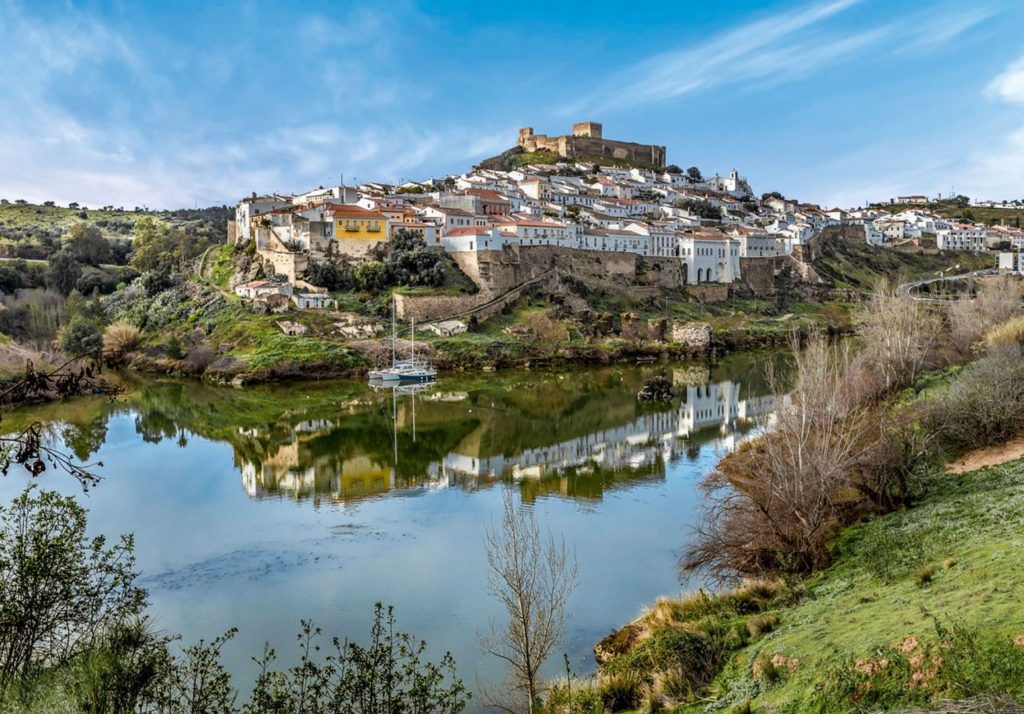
x=970 y=319
x=774 y=503
x=533 y=578
x=898 y=335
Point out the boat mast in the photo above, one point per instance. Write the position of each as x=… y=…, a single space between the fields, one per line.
x=394 y=353
x=412 y=337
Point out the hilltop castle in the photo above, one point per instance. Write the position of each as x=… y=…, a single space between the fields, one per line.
x=587 y=144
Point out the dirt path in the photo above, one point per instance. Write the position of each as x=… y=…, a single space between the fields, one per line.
x=989 y=456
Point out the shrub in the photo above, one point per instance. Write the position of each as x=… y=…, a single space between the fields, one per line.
x=985 y=403
x=970 y=319
x=760 y=625
x=619 y=690
x=924 y=574
x=80 y=337
x=120 y=339
x=59 y=589
x=1009 y=333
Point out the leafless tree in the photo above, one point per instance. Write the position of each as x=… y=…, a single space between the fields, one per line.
x=970 y=319
x=774 y=503
x=533 y=578
x=898 y=335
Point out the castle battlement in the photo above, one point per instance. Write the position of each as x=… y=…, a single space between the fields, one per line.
x=587 y=143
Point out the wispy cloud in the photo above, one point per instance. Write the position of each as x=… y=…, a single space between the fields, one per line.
x=756 y=49
x=775 y=49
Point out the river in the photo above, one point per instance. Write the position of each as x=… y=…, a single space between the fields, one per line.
x=256 y=508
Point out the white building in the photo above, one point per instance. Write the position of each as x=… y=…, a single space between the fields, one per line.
x=709 y=258
x=961 y=237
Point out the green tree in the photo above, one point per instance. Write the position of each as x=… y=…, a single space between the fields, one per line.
x=155 y=242
x=694 y=173
x=87 y=244
x=59 y=590
x=64 y=272
x=80 y=337
x=371 y=277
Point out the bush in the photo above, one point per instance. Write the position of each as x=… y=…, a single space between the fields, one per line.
x=120 y=339
x=970 y=319
x=1009 y=333
x=80 y=337
x=985 y=403
x=59 y=590
x=619 y=690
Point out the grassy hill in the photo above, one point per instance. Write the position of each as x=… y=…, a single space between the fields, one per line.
x=858 y=266
x=33 y=231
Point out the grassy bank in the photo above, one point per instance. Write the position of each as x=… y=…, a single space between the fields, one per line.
x=877 y=629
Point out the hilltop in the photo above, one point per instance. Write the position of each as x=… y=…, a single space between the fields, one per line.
x=33 y=231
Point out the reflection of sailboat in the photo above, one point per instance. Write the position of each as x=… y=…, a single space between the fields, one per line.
x=404 y=371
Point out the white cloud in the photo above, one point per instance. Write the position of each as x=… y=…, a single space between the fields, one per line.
x=1009 y=86
x=162 y=144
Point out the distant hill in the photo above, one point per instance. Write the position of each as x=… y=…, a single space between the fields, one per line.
x=958 y=210
x=33 y=231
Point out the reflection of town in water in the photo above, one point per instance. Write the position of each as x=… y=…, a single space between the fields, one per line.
x=548 y=433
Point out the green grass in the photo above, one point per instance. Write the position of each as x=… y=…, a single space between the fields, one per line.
x=968 y=535
x=859 y=266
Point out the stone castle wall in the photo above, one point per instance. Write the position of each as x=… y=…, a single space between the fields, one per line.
x=587 y=142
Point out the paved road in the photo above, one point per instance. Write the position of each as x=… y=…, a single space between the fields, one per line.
x=912 y=287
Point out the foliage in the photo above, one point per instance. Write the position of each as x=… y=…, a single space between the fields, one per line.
x=985 y=403
x=158 y=243
x=80 y=337
x=64 y=272
x=388 y=676
x=87 y=244
x=972 y=317
x=694 y=174
x=120 y=339
x=699 y=207
x=58 y=589
x=327 y=274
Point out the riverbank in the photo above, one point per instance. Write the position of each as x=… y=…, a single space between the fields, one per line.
x=886 y=555
x=918 y=605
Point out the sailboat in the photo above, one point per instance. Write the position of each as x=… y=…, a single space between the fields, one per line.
x=405 y=371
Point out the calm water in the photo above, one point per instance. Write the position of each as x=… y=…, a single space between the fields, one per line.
x=256 y=508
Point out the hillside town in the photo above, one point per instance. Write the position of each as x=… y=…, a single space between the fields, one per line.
x=713 y=228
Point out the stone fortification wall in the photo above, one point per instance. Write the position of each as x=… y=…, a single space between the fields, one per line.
x=589 y=143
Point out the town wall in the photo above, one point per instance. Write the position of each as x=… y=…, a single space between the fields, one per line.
x=292 y=265
x=709 y=293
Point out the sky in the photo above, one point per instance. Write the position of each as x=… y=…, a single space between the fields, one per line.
x=175 y=104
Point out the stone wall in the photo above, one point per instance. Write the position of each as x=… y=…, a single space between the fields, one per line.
x=292 y=265
x=499 y=270
x=695 y=335
x=590 y=143
x=709 y=293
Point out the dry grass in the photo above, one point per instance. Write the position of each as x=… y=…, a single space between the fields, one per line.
x=970 y=320
x=119 y=340
x=1010 y=332
x=14 y=357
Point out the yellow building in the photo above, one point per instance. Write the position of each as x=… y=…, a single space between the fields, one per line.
x=357 y=229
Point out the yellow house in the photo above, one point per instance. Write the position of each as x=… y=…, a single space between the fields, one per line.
x=358 y=229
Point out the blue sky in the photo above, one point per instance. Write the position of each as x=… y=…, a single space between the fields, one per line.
x=833 y=101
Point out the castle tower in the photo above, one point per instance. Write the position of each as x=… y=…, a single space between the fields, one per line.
x=587 y=128
x=525 y=135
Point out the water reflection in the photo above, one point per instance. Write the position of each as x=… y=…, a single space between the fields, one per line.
x=572 y=435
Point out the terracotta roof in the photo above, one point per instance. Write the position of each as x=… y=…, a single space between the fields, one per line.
x=350 y=210
x=469 y=231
